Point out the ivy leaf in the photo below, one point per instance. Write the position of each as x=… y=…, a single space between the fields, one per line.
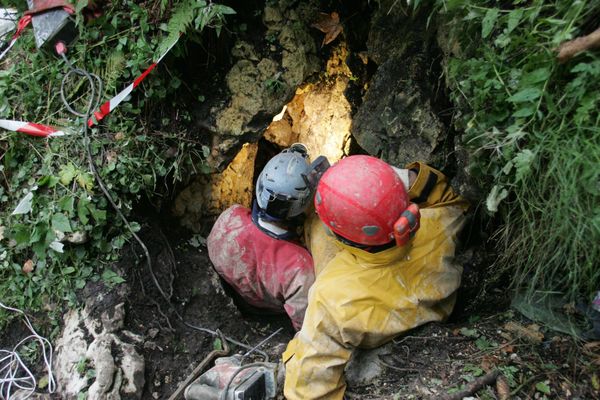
x=61 y=223
x=67 y=173
x=525 y=95
x=524 y=112
x=535 y=76
x=473 y=333
x=225 y=10
x=24 y=205
x=542 y=387
x=43 y=382
x=66 y=203
x=495 y=197
x=81 y=4
x=82 y=210
x=487 y=25
x=330 y=25
x=57 y=246
x=111 y=277
x=86 y=181
x=514 y=17
x=49 y=180
x=98 y=215
x=67 y=270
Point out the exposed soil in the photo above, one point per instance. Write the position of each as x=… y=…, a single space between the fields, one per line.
x=438 y=359
x=426 y=363
x=172 y=349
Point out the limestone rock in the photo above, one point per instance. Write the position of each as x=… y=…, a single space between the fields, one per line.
x=397 y=119
x=118 y=367
x=261 y=81
x=210 y=195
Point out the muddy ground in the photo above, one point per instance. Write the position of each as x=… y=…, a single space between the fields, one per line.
x=427 y=363
x=424 y=364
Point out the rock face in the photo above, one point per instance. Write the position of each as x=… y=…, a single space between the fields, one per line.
x=96 y=355
x=397 y=120
x=319 y=115
x=264 y=77
x=212 y=194
x=390 y=104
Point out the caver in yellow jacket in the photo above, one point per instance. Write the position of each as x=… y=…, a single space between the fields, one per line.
x=362 y=299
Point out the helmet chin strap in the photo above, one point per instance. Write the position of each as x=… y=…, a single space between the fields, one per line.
x=273 y=226
x=365 y=247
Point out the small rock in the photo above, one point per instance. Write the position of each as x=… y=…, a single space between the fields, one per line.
x=155 y=395
x=28 y=266
x=78 y=237
x=364 y=366
x=272 y=15
x=152 y=332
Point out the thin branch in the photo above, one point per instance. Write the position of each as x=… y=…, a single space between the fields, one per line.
x=474 y=386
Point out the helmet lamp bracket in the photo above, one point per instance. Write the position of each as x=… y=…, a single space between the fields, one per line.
x=407 y=225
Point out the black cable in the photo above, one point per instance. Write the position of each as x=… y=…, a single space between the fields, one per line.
x=86 y=140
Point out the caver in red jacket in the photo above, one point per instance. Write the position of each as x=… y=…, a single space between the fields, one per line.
x=268 y=273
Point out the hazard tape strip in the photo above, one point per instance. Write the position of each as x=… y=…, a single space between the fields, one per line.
x=21 y=25
x=40 y=130
x=111 y=104
x=30 y=128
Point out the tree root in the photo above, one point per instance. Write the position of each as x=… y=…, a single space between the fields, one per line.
x=474 y=386
x=569 y=49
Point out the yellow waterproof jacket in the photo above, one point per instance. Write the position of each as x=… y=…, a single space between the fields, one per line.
x=362 y=299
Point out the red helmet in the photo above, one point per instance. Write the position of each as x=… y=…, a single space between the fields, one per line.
x=361 y=198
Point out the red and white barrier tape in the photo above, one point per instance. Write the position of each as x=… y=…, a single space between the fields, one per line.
x=110 y=105
x=32 y=129
x=48 y=131
x=21 y=25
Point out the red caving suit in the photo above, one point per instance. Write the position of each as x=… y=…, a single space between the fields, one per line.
x=267 y=272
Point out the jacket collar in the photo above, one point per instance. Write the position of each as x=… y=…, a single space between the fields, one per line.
x=379 y=259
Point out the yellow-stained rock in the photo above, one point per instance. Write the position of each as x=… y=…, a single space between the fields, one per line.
x=210 y=195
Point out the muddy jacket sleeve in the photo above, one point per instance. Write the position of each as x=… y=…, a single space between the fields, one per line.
x=315 y=358
x=432 y=189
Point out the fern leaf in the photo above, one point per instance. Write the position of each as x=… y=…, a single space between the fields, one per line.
x=178 y=23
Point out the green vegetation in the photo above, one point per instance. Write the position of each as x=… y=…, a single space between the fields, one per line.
x=533 y=129
x=137 y=147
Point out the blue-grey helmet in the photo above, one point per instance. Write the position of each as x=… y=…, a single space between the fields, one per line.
x=282 y=189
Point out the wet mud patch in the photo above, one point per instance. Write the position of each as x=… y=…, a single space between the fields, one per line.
x=182 y=268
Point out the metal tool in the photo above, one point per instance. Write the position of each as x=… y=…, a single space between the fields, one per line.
x=207 y=360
